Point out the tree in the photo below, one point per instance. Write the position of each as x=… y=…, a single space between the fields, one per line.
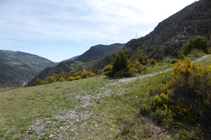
x=120 y=65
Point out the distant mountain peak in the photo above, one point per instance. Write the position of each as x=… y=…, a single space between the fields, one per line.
x=99 y=51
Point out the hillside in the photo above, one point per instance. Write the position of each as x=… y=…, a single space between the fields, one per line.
x=19 y=67
x=91 y=108
x=62 y=68
x=99 y=51
x=171 y=34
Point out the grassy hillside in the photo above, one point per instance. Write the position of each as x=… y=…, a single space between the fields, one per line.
x=92 y=108
x=63 y=69
x=99 y=51
x=18 y=67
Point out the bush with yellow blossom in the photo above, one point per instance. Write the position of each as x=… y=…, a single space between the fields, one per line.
x=185 y=98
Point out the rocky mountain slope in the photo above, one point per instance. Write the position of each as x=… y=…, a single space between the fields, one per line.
x=16 y=68
x=99 y=51
x=171 y=34
x=194 y=20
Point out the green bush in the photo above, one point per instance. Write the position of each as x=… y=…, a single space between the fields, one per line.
x=152 y=61
x=143 y=59
x=199 y=42
x=39 y=82
x=107 y=68
x=49 y=79
x=120 y=65
x=61 y=79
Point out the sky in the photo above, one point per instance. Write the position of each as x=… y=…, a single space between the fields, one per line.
x=61 y=29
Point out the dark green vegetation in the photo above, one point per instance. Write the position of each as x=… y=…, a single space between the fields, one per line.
x=120 y=65
x=198 y=43
x=16 y=68
x=99 y=51
x=171 y=34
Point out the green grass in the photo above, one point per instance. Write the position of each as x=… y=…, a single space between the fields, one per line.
x=92 y=108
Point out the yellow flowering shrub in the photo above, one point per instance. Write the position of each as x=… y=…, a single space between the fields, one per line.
x=158 y=63
x=84 y=74
x=70 y=78
x=92 y=74
x=61 y=79
x=186 y=96
x=77 y=77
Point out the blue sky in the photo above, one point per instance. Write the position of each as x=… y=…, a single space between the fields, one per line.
x=61 y=29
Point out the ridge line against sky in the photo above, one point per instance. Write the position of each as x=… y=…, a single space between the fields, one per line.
x=61 y=29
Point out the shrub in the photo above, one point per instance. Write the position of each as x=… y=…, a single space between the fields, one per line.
x=39 y=82
x=61 y=79
x=49 y=79
x=158 y=63
x=70 y=78
x=92 y=74
x=107 y=68
x=143 y=59
x=100 y=72
x=85 y=74
x=120 y=65
x=77 y=77
x=198 y=42
x=186 y=97
x=152 y=61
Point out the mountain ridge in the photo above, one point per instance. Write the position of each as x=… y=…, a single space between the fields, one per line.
x=16 y=67
x=99 y=51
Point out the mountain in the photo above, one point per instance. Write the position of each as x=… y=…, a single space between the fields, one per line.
x=16 y=68
x=194 y=20
x=72 y=58
x=99 y=51
x=170 y=34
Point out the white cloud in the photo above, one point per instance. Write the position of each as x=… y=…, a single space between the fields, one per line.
x=96 y=21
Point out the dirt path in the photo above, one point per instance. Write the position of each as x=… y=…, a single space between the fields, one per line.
x=128 y=80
